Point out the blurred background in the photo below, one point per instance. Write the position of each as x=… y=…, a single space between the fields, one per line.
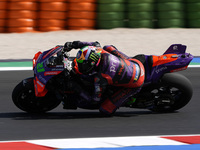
x=53 y=15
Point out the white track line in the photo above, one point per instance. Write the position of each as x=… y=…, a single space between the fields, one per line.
x=15 y=68
x=104 y=142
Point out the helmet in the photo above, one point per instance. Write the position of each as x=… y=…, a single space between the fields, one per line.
x=87 y=59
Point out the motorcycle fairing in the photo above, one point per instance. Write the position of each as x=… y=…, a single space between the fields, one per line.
x=163 y=59
x=176 y=49
x=174 y=59
x=40 y=89
x=43 y=73
x=35 y=59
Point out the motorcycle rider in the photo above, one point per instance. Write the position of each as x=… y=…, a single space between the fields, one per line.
x=107 y=66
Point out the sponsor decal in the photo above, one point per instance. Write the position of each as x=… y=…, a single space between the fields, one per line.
x=175 y=47
x=40 y=90
x=179 y=69
x=40 y=67
x=161 y=69
x=42 y=79
x=51 y=73
x=57 y=69
x=113 y=65
x=94 y=57
x=39 y=83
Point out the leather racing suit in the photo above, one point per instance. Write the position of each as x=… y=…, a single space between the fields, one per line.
x=115 y=69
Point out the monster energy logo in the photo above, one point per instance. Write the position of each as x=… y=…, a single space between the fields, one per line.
x=94 y=57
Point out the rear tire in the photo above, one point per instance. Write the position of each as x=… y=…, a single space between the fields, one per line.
x=173 y=93
x=24 y=98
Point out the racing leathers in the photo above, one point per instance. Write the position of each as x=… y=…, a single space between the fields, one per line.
x=115 y=69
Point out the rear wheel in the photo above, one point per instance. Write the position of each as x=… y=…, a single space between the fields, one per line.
x=24 y=98
x=174 y=92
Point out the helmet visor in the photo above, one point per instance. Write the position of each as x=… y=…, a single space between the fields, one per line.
x=85 y=66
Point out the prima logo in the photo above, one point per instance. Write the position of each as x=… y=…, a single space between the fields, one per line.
x=161 y=69
x=113 y=65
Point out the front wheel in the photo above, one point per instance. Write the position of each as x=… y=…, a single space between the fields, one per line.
x=24 y=98
x=173 y=93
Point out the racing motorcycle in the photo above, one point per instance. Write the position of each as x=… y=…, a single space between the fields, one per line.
x=163 y=90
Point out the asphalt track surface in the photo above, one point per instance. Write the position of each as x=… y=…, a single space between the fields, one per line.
x=59 y=123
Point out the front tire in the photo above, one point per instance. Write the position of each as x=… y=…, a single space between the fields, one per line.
x=24 y=98
x=173 y=93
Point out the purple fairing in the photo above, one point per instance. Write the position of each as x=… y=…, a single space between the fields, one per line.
x=176 y=49
x=153 y=74
x=43 y=71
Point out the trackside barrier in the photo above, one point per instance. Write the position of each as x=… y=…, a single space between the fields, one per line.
x=54 y=15
x=3 y=6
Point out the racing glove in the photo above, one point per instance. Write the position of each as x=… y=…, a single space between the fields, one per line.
x=96 y=43
x=78 y=44
x=67 y=47
x=70 y=45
